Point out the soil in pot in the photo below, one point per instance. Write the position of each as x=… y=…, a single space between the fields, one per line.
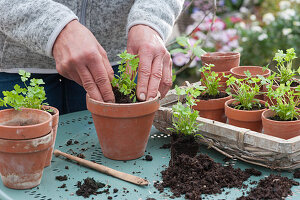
x=271 y=187
x=194 y=176
x=212 y=107
x=121 y=98
x=183 y=144
x=250 y=119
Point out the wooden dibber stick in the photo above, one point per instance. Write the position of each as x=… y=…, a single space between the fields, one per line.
x=103 y=169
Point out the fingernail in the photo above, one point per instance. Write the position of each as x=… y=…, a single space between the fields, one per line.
x=150 y=99
x=142 y=97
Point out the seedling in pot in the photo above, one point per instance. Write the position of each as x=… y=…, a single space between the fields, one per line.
x=210 y=80
x=31 y=96
x=125 y=82
x=286 y=108
x=244 y=91
x=284 y=67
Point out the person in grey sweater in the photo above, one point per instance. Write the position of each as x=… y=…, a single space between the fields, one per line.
x=80 y=40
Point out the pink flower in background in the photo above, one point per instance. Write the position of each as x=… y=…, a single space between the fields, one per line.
x=235 y=19
x=179 y=59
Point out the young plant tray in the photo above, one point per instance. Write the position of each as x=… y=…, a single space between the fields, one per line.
x=234 y=142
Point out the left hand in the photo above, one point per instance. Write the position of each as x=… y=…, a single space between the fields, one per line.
x=155 y=68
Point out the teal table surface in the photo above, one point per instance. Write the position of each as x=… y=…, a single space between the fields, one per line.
x=78 y=126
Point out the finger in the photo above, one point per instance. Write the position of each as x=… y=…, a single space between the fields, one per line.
x=100 y=76
x=88 y=83
x=155 y=77
x=166 y=81
x=144 y=72
x=107 y=65
x=74 y=76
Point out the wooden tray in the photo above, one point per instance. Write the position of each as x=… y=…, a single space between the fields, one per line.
x=234 y=142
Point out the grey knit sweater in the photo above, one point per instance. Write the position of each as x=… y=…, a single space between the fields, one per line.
x=29 y=28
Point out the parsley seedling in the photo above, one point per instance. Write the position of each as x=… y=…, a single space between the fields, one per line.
x=31 y=96
x=128 y=72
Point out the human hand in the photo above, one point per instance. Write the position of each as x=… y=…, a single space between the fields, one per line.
x=155 y=68
x=80 y=57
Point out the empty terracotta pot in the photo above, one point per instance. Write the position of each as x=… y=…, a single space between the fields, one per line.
x=25 y=124
x=55 y=119
x=244 y=118
x=22 y=160
x=123 y=129
x=280 y=129
x=212 y=109
x=239 y=72
x=223 y=61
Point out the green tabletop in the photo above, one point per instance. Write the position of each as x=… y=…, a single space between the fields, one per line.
x=78 y=126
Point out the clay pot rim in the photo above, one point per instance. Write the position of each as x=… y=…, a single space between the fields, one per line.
x=56 y=111
x=275 y=121
x=49 y=121
x=120 y=105
x=221 y=55
x=233 y=70
x=249 y=111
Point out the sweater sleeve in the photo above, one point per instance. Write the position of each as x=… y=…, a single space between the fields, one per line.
x=34 y=24
x=158 y=14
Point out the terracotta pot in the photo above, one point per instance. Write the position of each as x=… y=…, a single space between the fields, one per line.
x=223 y=61
x=238 y=72
x=212 y=109
x=55 y=119
x=123 y=129
x=25 y=124
x=22 y=160
x=280 y=129
x=244 y=118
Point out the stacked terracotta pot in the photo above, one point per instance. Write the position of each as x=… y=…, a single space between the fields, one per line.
x=26 y=138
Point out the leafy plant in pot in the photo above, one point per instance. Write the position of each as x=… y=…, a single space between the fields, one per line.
x=283 y=118
x=26 y=135
x=244 y=110
x=32 y=96
x=185 y=126
x=211 y=101
x=123 y=128
x=285 y=73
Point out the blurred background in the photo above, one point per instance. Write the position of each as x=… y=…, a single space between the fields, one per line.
x=255 y=28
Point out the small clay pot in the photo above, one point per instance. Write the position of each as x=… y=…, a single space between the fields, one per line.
x=212 y=109
x=55 y=119
x=25 y=124
x=280 y=129
x=22 y=160
x=244 y=118
x=123 y=129
x=223 y=61
x=238 y=72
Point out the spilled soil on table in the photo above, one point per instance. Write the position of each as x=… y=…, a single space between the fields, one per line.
x=193 y=176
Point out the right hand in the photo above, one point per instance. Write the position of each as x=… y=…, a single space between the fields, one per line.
x=80 y=57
